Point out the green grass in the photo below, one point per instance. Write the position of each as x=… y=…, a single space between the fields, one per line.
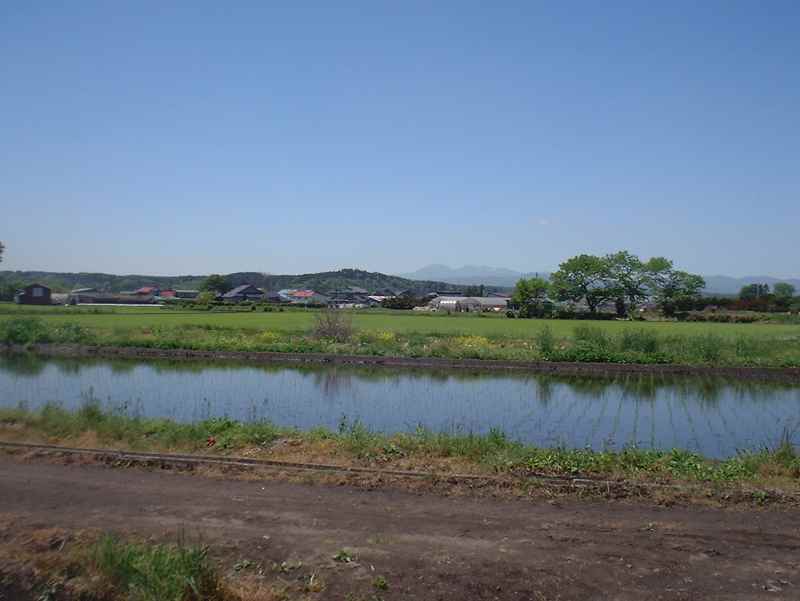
x=144 y=572
x=126 y=318
x=386 y=333
x=494 y=451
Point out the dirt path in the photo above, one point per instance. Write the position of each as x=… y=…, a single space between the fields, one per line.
x=426 y=546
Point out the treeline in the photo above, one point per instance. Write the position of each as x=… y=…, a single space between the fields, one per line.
x=620 y=280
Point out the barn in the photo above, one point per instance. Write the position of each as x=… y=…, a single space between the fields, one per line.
x=35 y=294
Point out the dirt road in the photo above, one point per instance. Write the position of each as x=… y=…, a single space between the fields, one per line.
x=426 y=546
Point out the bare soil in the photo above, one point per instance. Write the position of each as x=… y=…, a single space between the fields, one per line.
x=425 y=546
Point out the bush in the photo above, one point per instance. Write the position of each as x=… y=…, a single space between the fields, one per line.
x=333 y=324
x=23 y=330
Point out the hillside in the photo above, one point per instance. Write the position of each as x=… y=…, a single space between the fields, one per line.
x=322 y=282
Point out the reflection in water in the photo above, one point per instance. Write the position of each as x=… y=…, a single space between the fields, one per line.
x=706 y=414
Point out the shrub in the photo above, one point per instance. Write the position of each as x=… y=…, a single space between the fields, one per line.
x=23 y=330
x=333 y=324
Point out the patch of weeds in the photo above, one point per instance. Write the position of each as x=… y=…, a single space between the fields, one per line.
x=244 y=564
x=380 y=583
x=706 y=347
x=640 y=341
x=344 y=556
x=545 y=341
x=157 y=572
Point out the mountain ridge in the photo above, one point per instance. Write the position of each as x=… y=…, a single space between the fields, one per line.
x=471 y=275
x=321 y=281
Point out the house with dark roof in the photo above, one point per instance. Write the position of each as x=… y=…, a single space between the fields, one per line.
x=245 y=292
x=35 y=294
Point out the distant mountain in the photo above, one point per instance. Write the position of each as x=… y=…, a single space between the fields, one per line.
x=723 y=284
x=64 y=282
x=428 y=279
x=473 y=275
x=321 y=282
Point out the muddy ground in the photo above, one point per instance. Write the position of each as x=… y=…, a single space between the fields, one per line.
x=426 y=546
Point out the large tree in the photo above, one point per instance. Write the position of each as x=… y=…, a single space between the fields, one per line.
x=783 y=290
x=2 y=248
x=530 y=296
x=585 y=277
x=670 y=286
x=216 y=283
x=627 y=274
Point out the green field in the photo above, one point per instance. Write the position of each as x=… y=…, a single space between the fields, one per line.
x=120 y=318
x=387 y=333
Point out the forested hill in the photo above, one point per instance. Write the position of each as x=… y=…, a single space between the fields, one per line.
x=322 y=282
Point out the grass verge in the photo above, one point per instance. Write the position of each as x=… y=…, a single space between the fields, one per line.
x=53 y=564
x=354 y=444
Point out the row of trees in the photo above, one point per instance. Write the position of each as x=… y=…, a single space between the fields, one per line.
x=621 y=278
x=759 y=297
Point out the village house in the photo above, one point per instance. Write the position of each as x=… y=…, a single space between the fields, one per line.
x=35 y=294
x=245 y=292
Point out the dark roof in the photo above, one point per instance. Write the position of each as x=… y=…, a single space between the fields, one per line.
x=240 y=291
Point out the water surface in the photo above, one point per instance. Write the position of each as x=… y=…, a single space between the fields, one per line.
x=708 y=415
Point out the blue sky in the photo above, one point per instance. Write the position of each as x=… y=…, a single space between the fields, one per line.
x=196 y=137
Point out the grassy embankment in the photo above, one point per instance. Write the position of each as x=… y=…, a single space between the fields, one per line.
x=411 y=335
x=353 y=444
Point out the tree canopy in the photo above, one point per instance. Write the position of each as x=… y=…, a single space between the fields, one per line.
x=783 y=291
x=216 y=283
x=624 y=278
x=584 y=278
x=752 y=291
x=530 y=296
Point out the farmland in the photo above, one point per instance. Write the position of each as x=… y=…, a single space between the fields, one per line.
x=386 y=333
x=132 y=318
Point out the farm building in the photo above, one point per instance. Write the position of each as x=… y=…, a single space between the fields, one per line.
x=243 y=293
x=468 y=304
x=35 y=294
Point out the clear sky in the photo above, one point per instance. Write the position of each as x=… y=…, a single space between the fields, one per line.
x=195 y=137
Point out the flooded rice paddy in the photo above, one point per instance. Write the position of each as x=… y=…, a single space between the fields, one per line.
x=712 y=416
